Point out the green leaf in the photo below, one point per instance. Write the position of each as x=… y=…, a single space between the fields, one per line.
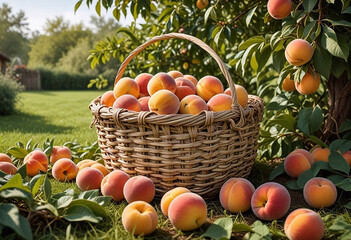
x=348 y=205
x=18 y=152
x=17 y=194
x=279 y=60
x=341 y=145
x=345 y=126
x=322 y=62
x=79 y=213
x=250 y=15
x=340 y=224
x=48 y=207
x=15 y=182
x=286 y=120
x=98 y=8
x=293 y=185
x=345 y=184
x=336 y=178
x=279 y=170
x=77 y=5
x=94 y=206
x=339 y=23
x=218 y=35
x=310 y=120
x=308 y=5
x=240 y=227
x=220 y=229
x=317 y=141
x=22 y=170
x=36 y=182
x=337 y=162
x=88 y=194
x=260 y=228
x=330 y=43
x=101 y=200
x=262 y=57
x=47 y=188
x=64 y=201
x=251 y=41
x=304 y=177
x=207 y=14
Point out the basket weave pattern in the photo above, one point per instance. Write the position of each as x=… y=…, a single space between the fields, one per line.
x=198 y=152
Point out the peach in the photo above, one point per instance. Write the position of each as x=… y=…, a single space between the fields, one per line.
x=113 y=183
x=187 y=211
x=60 y=152
x=5 y=158
x=64 y=170
x=241 y=92
x=304 y=224
x=161 y=81
x=279 y=9
x=191 y=78
x=89 y=178
x=288 y=84
x=169 y=197
x=8 y=168
x=142 y=80
x=209 y=86
x=139 y=218
x=144 y=103
x=126 y=86
x=201 y=4
x=296 y=163
x=298 y=52
x=36 y=162
x=270 y=201
x=127 y=101
x=306 y=153
x=175 y=74
x=220 y=102
x=91 y=163
x=235 y=195
x=309 y=83
x=184 y=88
x=320 y=192
x=139 y=188
x=347 y=156
x=192 y=104
x=164 y=102
x=320 y=154
x=108 y=98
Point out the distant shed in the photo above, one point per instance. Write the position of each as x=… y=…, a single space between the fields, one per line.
x=3 y=60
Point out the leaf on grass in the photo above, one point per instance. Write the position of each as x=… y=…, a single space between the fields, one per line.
x=47 y=206
x=94 y=206
x=64 y=201
x=240 y=227
x=220 y=229
x=79 y=213
x=89 y=194
x=18 y=194
x=15 y=182
x=36 y=182
x=18 y=152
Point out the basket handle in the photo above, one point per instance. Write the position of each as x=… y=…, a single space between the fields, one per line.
x=190 y=38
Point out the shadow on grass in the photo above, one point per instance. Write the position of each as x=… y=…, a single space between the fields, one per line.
x=29 y=123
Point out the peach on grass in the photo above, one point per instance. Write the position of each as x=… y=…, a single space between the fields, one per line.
x=91 y=163
x=298 y=52
x=144 y=103
x=64 y=170
x=191 y=78
x=304 y=224
x=347 y=156
x=59 y=152
x=126 y=86
x=309 y=83
x=235 y=195
x=220 y=102
x=297 y=162
x=139 y=188
x=36 y=162
x=184 y=88
x=288 y=84
x=187 y=211
x=108 y=98
x=127 y=101
x=320 y=192
x=161 y=81
x=8 y=168
x=209 y=86
x=169 y=197
x=5 y=158
x=142 y=80
x=139 y=218
x=201 y=4
x=192 y=104
x=241 y=93
x=320 y=154
x=175 y=74
x=279 y=9
x=113 y=183
x=164 y=102
x=89 y=178
x=270 y=201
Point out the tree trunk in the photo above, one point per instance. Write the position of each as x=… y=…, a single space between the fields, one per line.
x=339 y=102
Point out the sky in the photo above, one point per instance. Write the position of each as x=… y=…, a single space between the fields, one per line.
x=37 y=11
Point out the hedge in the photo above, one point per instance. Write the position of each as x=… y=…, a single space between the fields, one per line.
x=9 y=88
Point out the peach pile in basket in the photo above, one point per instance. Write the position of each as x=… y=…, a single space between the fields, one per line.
x=172 y=93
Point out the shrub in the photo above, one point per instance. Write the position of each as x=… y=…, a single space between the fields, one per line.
x=9 y=88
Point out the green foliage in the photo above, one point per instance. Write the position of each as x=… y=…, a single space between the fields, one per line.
x=99 y=82
x=9 y=89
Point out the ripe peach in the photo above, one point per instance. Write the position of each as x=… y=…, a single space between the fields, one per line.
x=241 y=92
x=296 y=163
x=139 y=188
x=144 y=103
x=142 y=80
x=169 y=196
x=201 y=4
x=306 y=153
x=89 y=178
x=64 y=170
x=161 y=81
x=184 y=88
x=36 y=162
x=288 y=84
x=220 y=102
x=126 y=86
x=139 y=218
x=209 y=86
x=320 y=154
x=91 y=163
x=191 y=78
x=8 y=168
x=192 y=104
x=113 y=183
x=164 y=102
x=304 y=224
x=108 y=98
x=127 y=101
x=5 y=158
x=60 y=152
x=298 y=52
x=347 y=156
x=309 y=83
x=175 y=74
x=270 y=201
x=187 y=211
x=320 y=192
x=279 y=9
x=235 y=195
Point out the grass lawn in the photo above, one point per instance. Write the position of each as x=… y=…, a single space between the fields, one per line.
x=65 y=116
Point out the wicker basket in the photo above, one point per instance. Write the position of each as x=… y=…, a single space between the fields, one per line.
x=199 y=152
